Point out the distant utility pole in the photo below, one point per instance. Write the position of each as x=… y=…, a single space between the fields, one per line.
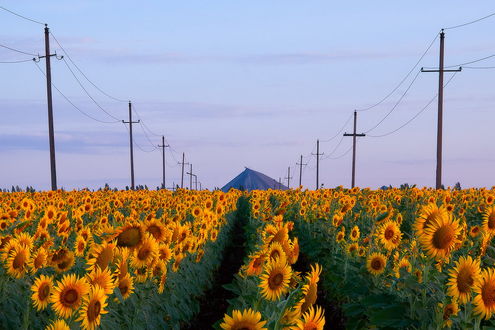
x=190 y=176
x=130 y=122
x=440 y=71
x=354 y=135
x=200 y=186
x=279 y=183
x=300 y=170
x=288 y=177
x=195 y=181
x=317 y=162
x=163 y=146
x=183 y=163
x=51 y=133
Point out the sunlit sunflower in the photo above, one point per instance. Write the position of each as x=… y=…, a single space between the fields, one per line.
x=275 y=279
x=126 y=285
x=130 y=235
x=355 y=233
x=314 y=318
x=489 y=220
x=390 y=235
x=276 y=251
x=38 y=260
x=66 y=263
x=156 y=229
x=310 y=289
x=247 y=319
x=80 y=246
x=67 y=295
x=474 y=231
x=145 y=253
x=440 y=238
x=101 y=255
x=463 y=277
x=58 y=325
x=92 y=308
x=339 y=238
x=41 y=288
x=376 y=263
x=17 y=262
x=429 y=214
x=484 y=301
x=102 y=278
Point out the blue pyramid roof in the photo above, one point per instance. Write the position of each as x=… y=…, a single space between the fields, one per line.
x=253 y=180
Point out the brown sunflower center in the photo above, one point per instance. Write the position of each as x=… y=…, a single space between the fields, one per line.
x=19 y=261
x=275 y=254
x=69 y=297
x=464 y=280
x=44 y=291
x=275 y=281
x=143 y=253
x=491 y=220
x=389 y=233
x=94 y=310
x=488 y=294
x=376 y=264
x=155 y=231
x=311 y=326
x=129 y=237
x=257 y=262
x=443 y=237
x=124 y=287
x=449 y=310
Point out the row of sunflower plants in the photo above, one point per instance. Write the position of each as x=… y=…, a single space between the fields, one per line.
x=270 y=294
x=126 y=259
x=402 y=258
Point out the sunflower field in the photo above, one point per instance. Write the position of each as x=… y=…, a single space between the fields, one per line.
x=332 y=258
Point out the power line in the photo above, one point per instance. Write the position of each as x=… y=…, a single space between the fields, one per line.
x=71 y=103
x=137 y=144
x=340 y=131
x=21 y=16
x=19 y=61
x=342 y=155
x=87 y=93
x=468 y=23
x=334 y=149
x=479 y=67
x=396 y=104
x=78 y=69
x=17 y=50
x=462 y=64
x=417 y=114
x=404 y=79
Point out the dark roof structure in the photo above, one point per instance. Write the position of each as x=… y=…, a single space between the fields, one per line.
x=253 y=180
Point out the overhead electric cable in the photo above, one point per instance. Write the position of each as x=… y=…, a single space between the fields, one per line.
x=404 y=79
x=19 y=61
x=468 y=23
x=17 y=50
x=21 y=16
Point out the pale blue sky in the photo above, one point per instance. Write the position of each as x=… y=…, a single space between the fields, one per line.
x=247 y=83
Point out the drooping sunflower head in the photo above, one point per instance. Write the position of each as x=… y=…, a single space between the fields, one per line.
x=376 y=263
x=441 y=237
x=247 y=319
x=484 y=301
x=92 y=308
x=67 y=295
x=126 y=285
x=489 y=220
x=449 y=310
x=275 y=279
x=102 y=278
x=256 y=262
x=156 y=229
x=463 y=278
x=130 y=235
x=101 y=255
x=41 y=288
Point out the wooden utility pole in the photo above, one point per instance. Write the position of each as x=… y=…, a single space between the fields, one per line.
x=163 y=146
x=279 y=183
x=300 y=170
x=288 y=177
x=130 y=122
x=183 y=163
x=190 y=176
x=51 y=132
x=317 y=162
x=440 y=71
x=354 y=135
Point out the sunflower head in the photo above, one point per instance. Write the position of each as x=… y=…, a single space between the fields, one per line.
x=463 y=278
x=275 y=279
x=376 y=263
x=247 y=319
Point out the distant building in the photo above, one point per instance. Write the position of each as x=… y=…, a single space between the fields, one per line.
x=253 y=180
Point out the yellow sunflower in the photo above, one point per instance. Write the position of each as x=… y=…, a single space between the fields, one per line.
x=126 y=285
x=440 y=238
x=58 y=325
x=41 y=291
x=275 y=279
x=376 y=263
x=92 y=309
x=447 y=311
x=355 y=233
x=247 y=319
x=314 y=318
x=17 y=262
x=429 y=214
x=255 y=266
x=390 y=235
x=67 y=295
x=101 y=255
x=102 y=278
x=463 y=277
x=276 y=251
x=489 y=220
x=145 y=253
x=484 y=301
